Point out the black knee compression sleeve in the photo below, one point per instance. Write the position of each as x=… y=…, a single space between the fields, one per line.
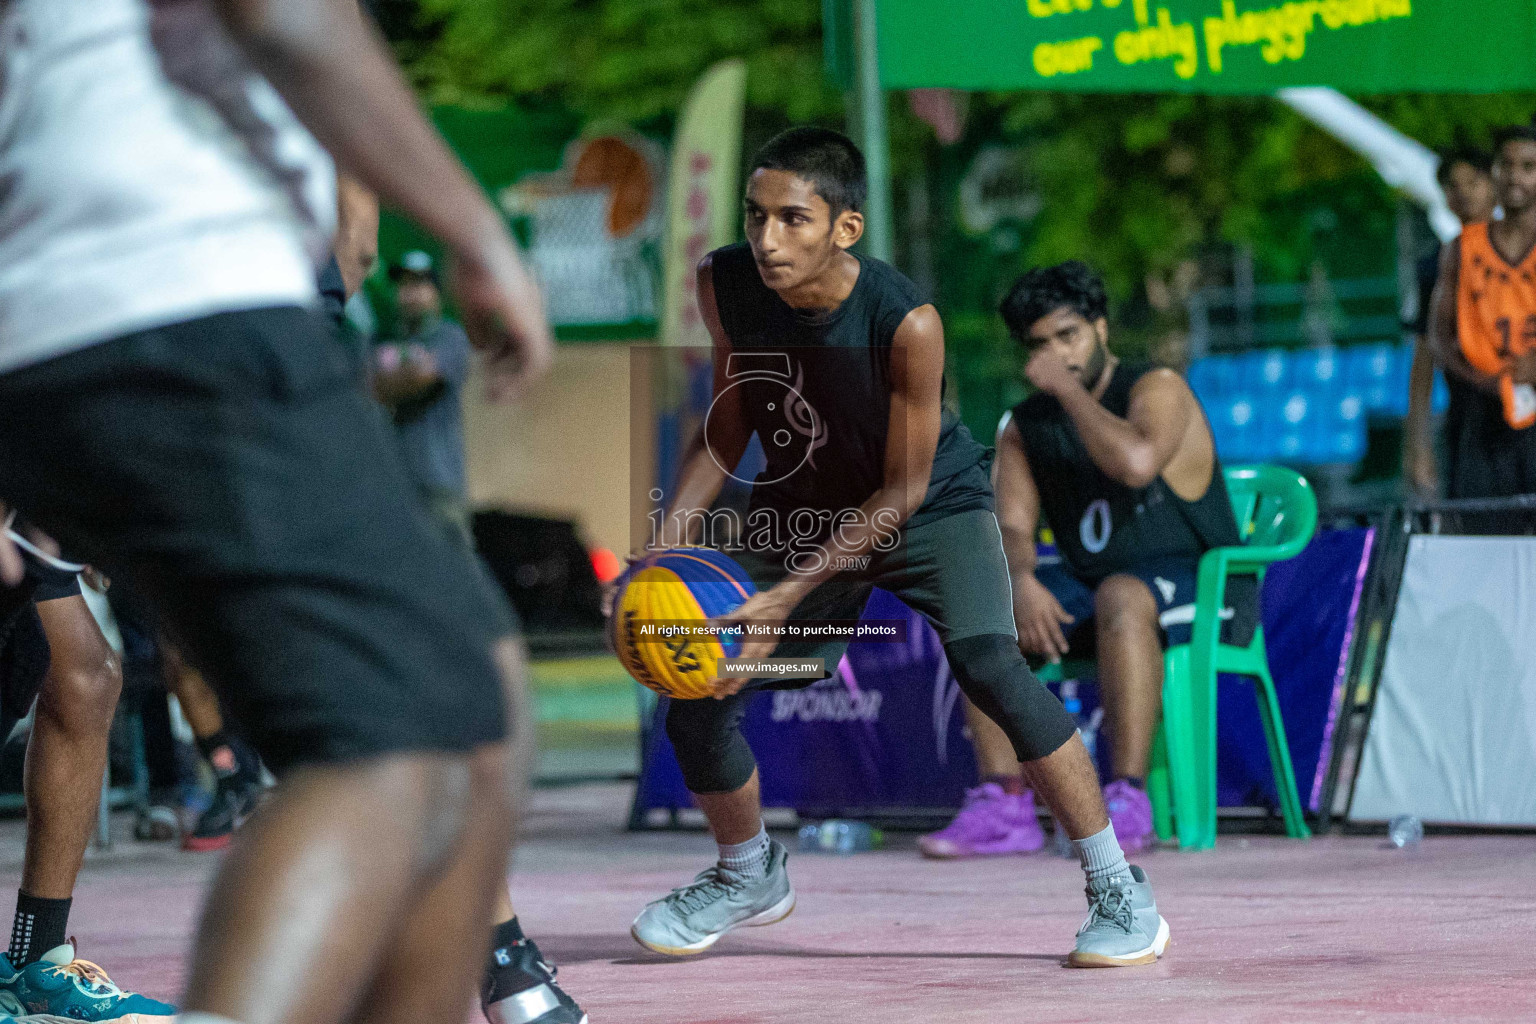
x=706 y=735
x=993 y=675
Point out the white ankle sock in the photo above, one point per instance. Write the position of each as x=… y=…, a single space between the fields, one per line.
x=1101 y=855
x=748 y=859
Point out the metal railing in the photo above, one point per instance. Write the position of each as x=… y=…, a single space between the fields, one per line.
x=1317 y=313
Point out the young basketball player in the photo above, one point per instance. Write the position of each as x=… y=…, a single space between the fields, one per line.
x=856 y=438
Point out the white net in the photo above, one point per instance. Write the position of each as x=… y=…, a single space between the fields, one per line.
x=589 y=277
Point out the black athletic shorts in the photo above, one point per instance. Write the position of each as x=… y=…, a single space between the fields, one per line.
x=24 y=652
x=230 y=470
x=1485 y=457
x=951 y=570
x=1173 y=583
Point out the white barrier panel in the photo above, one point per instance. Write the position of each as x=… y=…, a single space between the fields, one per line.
x=1453 y=736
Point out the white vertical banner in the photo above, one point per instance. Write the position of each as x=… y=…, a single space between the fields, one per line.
x=703 y=204
x=1453 y=735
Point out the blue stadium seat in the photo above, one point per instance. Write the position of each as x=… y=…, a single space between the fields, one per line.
x=1296 y=424
x=1303 y=407
x=1205 y=377
x=1297 y=409
x=1318 y=367
x=1374 y=371
x=1402 y=370
x=1349 y=409
x=1348 y=445
x=1234 y=425
x=1440 y=397
x=1288 y=447
x=1264 y=369
x=1341 y=435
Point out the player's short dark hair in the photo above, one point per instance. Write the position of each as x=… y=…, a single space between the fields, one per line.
x=1043 y=290
x=827 y=159
x=1478 y=159
x=1513 y=133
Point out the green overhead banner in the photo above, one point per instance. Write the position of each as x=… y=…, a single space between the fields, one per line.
x=1210 y=46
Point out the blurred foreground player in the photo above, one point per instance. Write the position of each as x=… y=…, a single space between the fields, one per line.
x=518 y=986
x=1120 y=459
x=857 y=361
x=236 y=768
x=52 y=652
x=172 y=409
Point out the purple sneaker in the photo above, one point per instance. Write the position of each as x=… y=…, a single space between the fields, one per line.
x=1131 y=813
x=991 y=824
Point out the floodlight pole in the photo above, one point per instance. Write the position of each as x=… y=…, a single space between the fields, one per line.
x=872 y=131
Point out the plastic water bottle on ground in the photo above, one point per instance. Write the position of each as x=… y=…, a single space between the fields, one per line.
x=1405 y=830
x=842 y=837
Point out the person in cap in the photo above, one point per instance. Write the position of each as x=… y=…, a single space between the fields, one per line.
x=420 y=379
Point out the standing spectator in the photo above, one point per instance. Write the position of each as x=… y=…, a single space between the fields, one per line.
x=1483 y=330
x=1466 y=176
x=421 y=382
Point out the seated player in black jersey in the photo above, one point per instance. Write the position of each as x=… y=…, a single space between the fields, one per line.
x=836 y=363
x=1119 y=457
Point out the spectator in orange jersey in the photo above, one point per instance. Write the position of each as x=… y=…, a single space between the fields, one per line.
x=1483 y=331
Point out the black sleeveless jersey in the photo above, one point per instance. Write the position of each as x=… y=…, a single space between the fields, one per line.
x=1102 y=526
x=816 y=389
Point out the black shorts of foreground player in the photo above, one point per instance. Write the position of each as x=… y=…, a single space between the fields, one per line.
x=230 y=469
x=863 y=357
x=171 y=410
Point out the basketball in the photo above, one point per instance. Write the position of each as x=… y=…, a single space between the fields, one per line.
x=678 y=586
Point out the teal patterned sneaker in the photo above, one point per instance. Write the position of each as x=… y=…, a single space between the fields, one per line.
x=1123 y=928
x=691 y=919
x=61 y=986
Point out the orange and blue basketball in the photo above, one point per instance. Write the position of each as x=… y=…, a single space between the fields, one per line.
x=681 y=585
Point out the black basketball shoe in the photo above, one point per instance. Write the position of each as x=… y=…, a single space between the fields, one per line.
x=520 y=988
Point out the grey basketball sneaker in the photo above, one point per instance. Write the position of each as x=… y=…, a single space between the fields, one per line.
x=690 y=920
x=1123 y=928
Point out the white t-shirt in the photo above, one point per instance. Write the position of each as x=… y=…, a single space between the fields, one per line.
x=147 y=176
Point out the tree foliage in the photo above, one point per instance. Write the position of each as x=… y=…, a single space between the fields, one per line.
x=1143 y=181
x=1137 y=182
x=632 y=59
x=1140 y=185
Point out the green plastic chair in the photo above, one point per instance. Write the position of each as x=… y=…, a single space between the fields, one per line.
x=1276 y=512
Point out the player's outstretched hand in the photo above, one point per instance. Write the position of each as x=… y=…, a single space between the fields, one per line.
x=503 y=315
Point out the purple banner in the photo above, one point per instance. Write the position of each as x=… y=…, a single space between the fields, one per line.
x=1309 y=615
x=886 y=731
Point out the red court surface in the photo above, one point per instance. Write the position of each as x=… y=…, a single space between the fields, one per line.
x=1264 y=929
